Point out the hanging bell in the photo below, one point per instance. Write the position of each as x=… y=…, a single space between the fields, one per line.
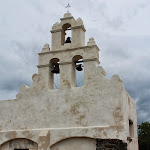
x=68 y=40
x=56 y=69
x=79 y=67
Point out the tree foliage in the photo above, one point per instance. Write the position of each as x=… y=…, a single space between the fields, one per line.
x=144 y=135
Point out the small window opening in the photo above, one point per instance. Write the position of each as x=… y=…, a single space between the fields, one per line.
x=66 y=33
x=54 y=74
x=131 y=128
x=79 y=70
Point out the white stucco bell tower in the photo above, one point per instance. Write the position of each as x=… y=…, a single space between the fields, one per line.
x=95 y=116
x=58 y=33
x=67 y=53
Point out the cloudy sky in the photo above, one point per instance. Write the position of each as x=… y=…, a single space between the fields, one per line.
x=121 y=29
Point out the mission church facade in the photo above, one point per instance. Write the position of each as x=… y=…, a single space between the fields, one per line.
x=100 y=115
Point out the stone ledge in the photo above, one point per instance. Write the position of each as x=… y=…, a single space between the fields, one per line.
x=67 y=18
x=70 y=49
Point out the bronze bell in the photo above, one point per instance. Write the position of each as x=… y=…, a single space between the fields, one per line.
x=79 y=67
x=56 y=69
x=68 y=40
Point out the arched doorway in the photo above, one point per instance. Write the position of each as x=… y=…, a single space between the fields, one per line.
x=19 y=144
x=75 y=143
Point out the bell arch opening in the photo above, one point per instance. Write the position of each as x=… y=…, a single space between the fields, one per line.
x=54 y=74
x=66 y=34
x=78 y=70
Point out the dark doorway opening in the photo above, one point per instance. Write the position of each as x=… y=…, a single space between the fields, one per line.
x=21 y=149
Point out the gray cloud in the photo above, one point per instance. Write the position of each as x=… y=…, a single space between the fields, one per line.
x=129 y=57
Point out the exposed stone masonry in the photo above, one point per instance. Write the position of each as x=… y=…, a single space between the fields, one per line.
x=110 y=144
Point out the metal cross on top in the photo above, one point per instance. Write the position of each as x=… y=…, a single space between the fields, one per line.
x=68 y=7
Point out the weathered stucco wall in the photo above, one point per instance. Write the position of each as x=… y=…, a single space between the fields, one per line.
x=101 y=109
x=74 y=112
x=70 y=108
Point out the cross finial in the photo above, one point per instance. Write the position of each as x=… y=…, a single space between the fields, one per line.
x=68 y=7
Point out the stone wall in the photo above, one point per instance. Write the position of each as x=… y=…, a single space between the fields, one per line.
x=110 y=144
